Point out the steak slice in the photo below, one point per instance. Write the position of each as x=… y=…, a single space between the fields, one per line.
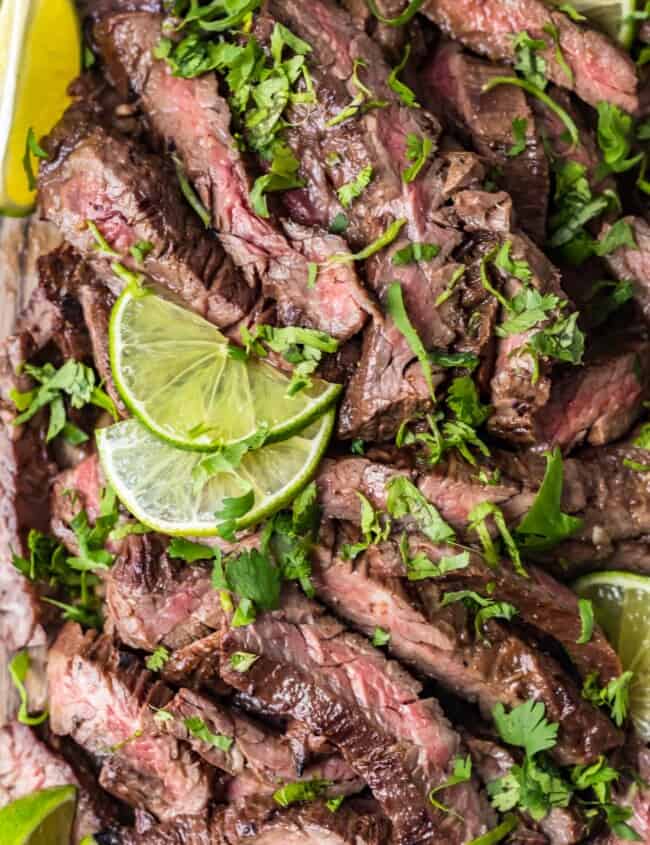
x=633 y=264
x=259 y=760
x=95 y=174
x=439 y=642
x=311 y=669
x=153 y=600
x=190 y=117
x=599 y=402
x=599 y=69
x=258 y=822
x=451 y=84
x=102 y=698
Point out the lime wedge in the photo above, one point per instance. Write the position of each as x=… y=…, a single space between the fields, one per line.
x=175 y=372
x=41 y=818
x=615 y=18
x=622 y=607
x=40 y=54
x=165 y=487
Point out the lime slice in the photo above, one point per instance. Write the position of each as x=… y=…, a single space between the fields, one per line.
x=40 y=54
x=175 y=372
x=622 y=607
x=42 y=818
x=162 y=487
x=615 y=18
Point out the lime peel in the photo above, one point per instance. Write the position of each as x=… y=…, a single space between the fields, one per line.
x=40 y=818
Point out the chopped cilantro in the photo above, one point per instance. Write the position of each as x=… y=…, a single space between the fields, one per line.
x=339 y=224
x=415 y=252
x=477 y=522
x=409 y=12
x=380 y=637
x=420 y=567
x=528 y=62
x=305 y=790
x=397 y=310
x=241 y=661
x=485 y=608
x=141 y=250
x=196 y=727
x=457 y=275
x=563 y=340
x=442 y=358
x=404 y=499
x=570 y=10
x=232 y=509
x=375 y=528
x=32 y=148
x=552 y=30
x=188 y=551
x=461 y=773
x=363 y=100
x=357 y=446
x=101 y=244
x=406 y=94
x=464 y=401
x=519 y=268
x=282 y=176
x=384 y=240
x=190 y=194
x=621 y=234
x=615 y=695
x=544 y=526
x=418 y=150
x=350 y=191
x=519 y=130
x=157 y=660
x=615 y=138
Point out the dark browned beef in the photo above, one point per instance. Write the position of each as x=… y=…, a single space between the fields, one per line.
x=96 y=302
x=312 y=670
x=600 y=402
x=599 y=70
x=103 y=699
x=451 y=84
x=259 y=822
x=440 y=642
x=634 y=263
x=192 y=118
x=94 y=174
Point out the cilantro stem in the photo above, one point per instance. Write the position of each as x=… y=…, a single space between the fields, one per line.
x=497 y=833
x=190 y=195
x=411 y=10
x=534 y=91
x=382 y=241
x=397 y=310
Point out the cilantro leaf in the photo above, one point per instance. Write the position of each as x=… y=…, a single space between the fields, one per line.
x=420 y=567
x=374 y=527
x=281 y=177
x=380 y=638
x=570 y=10
x=525 y=726
x=397 y=310
x=519 y=268
x=586 y=610
x=352 y=190
x=403 y=18
x=141 y=250
x=157 y=660
x=32 y=148
x=615 y=137
x=418 y=150
x=384 y=240
x=241 y=661
x=534 y=788
x=519 y=130
x=190 y=194
x=621 y=234
x=253 y=576
x=485 y=609
x=339 y=224
x=305 y=790
x=563 y=340
x=463 y=399
x=415 y=252
x=232 y=509
x=188 y=551
x=244 y=615
x=528 y=308
x=196 y=727
x=544 y=526
x=461 y=773
x=442 y=358
x=477 y=522
x=615 y=695
x=404 y=499
x=363 y=100
x=528 y=62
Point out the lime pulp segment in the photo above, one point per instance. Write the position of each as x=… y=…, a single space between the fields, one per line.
x=175 y=372
x=162 y=486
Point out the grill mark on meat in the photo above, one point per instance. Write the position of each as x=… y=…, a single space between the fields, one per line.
x=102 y=698
x=190 y=116
x=601 y=71
x=438 y=641
x=95 y=174
x=345 y=690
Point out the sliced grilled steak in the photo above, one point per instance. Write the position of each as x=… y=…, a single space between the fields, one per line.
x=258 y=822
x=94 y=174
x=340 y=687
x=192 y=118
x=599 y=402
x=152 y=599
x=451 y=84
x=599 y=70
x=440 y=643
x=634 y=263
x=103 y=698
